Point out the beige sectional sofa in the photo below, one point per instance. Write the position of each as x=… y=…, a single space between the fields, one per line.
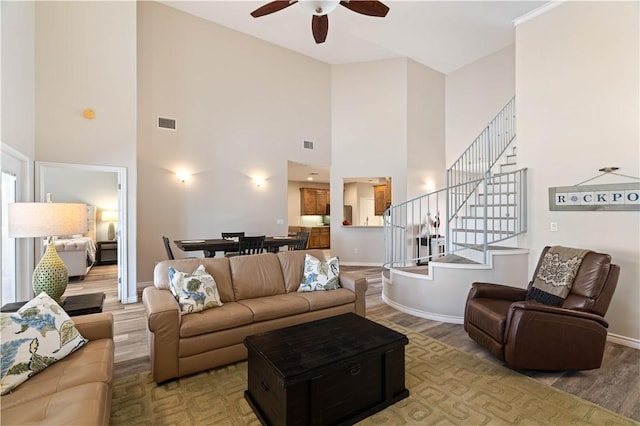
x=259 y=293
x=75 y=390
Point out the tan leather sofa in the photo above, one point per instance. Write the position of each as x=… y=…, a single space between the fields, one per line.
x=259 y=293
x=75 y=390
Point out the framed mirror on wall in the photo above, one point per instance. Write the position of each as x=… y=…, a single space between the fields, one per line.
x=365 y=200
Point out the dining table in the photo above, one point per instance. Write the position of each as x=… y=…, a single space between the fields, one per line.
x=210 y=246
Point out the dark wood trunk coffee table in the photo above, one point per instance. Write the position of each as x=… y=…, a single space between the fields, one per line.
x=337 y=370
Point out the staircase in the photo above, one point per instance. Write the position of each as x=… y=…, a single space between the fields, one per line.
x=484 y=205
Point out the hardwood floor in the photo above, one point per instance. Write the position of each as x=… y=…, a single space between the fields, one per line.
x=615 y=386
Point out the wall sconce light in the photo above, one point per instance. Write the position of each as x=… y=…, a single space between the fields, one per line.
x=183 y=175
x=430 y=186
x=259 y=181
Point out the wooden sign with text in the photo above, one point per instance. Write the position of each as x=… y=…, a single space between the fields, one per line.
x=610 y=197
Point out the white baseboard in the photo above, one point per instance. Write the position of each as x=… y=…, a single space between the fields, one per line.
x=143 y=284
x=422 y=314
x=624 y=341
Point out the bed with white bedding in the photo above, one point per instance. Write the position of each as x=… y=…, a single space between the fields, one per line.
x=78 y=252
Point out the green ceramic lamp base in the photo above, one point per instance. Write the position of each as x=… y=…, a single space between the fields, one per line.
x=51 y=274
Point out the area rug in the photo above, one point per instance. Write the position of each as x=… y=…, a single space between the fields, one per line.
x=447 y=387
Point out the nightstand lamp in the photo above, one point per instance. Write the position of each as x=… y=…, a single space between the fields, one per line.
x=110 y=216
x=32 y=220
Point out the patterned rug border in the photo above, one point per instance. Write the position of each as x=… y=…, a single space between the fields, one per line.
x=513 y=373
x=446 y=385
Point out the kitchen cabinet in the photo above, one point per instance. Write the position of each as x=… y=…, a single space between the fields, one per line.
x=314 y=201
x=382 y=198
x=319 y=236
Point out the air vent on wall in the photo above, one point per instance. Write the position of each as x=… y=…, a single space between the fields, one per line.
x=308 y=145
x=167 y=123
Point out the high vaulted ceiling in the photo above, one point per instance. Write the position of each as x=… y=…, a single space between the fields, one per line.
x=443 y=35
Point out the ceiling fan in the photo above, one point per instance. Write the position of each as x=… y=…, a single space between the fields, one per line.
x=320 y=9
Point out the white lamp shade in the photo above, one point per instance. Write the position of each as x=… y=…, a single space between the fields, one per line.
x=319 y=7
x=30 y=220
x=109 y=215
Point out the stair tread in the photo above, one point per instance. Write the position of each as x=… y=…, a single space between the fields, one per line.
x=494 y=205
x=488 y=217
x=498 y=193
x=480 y=247
x=453 y=258
x=478 y=231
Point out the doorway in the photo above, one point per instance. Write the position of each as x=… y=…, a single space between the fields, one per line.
x=103 y=189
x=17 y=253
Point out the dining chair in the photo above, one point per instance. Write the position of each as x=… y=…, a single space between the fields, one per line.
x=232 y=234
x=167 y=247
x=302 y=239
x=297 y=245
x=251 y=245
x=229 y=235
x=302 y=235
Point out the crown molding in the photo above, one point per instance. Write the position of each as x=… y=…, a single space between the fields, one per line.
x=537 y=12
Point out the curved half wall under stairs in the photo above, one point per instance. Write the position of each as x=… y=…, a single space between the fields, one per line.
x=441 y=294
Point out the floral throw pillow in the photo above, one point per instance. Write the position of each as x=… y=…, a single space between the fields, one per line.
x=194 y=292
x=33 y=338
x=319 y=275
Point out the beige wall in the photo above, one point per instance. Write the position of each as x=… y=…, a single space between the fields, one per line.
x=17 y=75
x=369 y=134
x=425 y=130
x=475 y=94
x=243 y=108
x=577 y=98
x=86 y=58
x=385 y=120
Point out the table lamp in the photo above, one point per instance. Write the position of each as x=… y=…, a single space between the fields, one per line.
x=32 y=220
x=110 y=216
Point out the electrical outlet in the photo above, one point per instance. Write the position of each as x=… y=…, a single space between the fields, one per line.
x=355 y=250
x=554 y=226
x=279 y=221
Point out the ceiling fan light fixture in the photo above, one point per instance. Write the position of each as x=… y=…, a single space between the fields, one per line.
x=319 y=7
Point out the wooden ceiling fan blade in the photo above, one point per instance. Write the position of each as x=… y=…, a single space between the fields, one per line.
x=271 y=7
x=320 y=28
x=370 y=8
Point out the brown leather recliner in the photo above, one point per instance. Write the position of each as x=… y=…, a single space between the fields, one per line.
x=529 y=335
